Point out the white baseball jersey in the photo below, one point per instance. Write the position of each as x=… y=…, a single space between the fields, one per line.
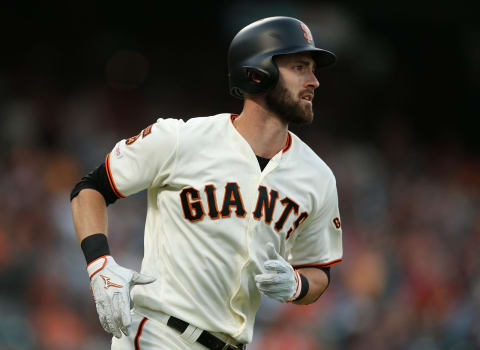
x=211 y=211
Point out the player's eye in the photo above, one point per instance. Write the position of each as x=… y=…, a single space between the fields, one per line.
x=299 y=67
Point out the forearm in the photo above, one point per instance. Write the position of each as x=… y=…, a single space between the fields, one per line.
x=318 y=283
x=89 y=214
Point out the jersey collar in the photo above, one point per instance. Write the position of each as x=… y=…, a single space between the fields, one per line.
x=285 y=148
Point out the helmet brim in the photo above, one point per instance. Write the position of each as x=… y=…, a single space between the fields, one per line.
x=323 y=58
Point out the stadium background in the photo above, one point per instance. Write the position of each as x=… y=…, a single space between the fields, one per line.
x=394 y=120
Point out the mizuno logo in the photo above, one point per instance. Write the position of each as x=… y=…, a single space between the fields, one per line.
x=109 y=284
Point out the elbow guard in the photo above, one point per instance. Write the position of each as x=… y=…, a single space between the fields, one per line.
x=96 y=180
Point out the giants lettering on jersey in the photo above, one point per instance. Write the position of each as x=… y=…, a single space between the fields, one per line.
x=193 y=208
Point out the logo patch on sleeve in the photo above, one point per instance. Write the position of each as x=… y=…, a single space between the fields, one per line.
x=118 y=151
x=337 y=223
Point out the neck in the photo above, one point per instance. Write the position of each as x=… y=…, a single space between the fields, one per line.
x=264 y=131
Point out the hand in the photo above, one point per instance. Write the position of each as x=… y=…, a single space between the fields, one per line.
x=111 y=284
x=280 y=281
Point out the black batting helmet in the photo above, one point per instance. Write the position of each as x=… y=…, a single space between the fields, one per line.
x=252 y=50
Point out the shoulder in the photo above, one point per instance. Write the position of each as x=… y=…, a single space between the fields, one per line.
x=205 y=125
x=167 y=124
x=307 y=158
x=207 y=121
x=197 y=125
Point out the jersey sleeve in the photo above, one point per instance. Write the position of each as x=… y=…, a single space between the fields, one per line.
x=319 y=241
x=145 y=160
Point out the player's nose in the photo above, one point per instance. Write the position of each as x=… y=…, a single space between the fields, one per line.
x=313 y=81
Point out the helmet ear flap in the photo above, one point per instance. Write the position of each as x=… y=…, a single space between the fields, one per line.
x=254 y=80
x=257 y=80
x=256 y=75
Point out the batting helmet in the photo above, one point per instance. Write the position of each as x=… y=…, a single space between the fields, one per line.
x=252 y=50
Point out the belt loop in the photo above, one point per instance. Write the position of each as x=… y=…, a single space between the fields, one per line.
x=191 y=334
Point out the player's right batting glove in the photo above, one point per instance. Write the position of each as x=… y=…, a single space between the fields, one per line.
x=111 y=285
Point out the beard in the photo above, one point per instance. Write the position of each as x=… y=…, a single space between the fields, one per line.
x=280 y=101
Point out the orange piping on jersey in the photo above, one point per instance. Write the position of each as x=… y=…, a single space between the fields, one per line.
x=288 y=144
x=110 y=178
x=328 y=264
x=233 y=116
x=139 y=333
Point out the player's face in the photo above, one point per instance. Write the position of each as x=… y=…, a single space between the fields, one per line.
x=291 y=99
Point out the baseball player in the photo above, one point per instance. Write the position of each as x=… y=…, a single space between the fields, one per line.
x=238 y=206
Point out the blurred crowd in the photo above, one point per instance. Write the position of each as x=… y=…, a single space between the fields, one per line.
x=410 y=278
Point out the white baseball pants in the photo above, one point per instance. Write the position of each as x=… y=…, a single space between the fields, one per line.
x=148 y=334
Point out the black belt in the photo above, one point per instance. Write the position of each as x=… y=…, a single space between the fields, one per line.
x=206 y=339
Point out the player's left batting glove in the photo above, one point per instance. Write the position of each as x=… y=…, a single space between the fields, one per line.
x=111 y=285
x=280 y=281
